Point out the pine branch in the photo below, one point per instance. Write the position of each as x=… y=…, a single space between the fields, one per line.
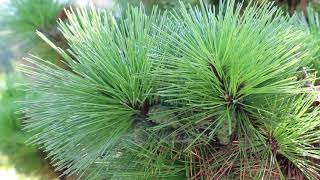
x=199 y=93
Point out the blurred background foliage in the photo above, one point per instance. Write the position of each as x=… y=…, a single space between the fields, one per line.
x=20 y=19
x=27 y=160
x=289 y=6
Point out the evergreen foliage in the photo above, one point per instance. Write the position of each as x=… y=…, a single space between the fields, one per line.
x=25 y=159
x=310 y=24
x=203 y=93
x=161 y=4
x=22 y=18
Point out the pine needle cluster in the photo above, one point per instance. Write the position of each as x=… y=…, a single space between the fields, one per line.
x=310 y=24
x=203 y=93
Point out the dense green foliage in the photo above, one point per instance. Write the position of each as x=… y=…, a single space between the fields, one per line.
x=310 y=24
x=203 y=93
x=161 y=4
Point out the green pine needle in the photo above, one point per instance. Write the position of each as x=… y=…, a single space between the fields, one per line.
x=229 y=63
x=199 y=93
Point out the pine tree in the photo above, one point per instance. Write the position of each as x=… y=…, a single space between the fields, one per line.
x=202 y=93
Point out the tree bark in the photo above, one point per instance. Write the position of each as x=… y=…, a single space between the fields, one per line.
x=303 y=5
x=292 y=4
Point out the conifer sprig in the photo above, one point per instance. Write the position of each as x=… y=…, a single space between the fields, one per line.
x=295 y=135
x=223 y=67
x=202 y=93
x=82 y=115
x=310 y=24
